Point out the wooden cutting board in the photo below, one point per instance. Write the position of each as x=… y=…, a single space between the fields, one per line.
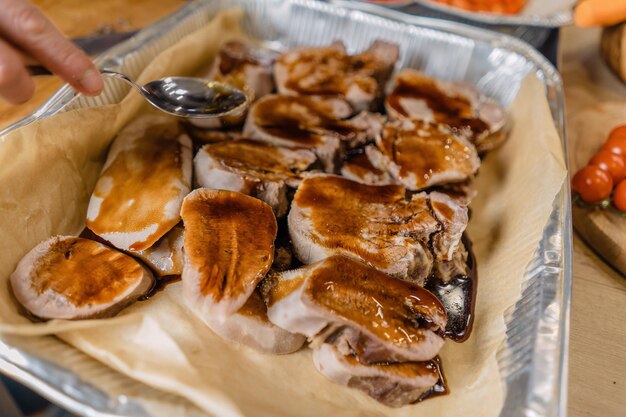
x=613 y=49
x=603 y=229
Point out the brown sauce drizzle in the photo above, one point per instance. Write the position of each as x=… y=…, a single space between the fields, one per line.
x=460 y=311
x=455 y=111
x=159 y=285
x=441 y=387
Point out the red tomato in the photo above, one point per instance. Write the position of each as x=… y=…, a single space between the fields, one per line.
x=616 y=142
x=612 y=163
x=592 y=184
x=619 y=196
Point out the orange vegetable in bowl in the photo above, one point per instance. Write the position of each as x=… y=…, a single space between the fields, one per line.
x=614 y=164
x=593 y=184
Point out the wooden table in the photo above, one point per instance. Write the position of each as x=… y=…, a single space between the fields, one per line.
x=597 y=370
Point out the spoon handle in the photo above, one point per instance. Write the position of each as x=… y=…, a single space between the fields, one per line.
x=38 y=70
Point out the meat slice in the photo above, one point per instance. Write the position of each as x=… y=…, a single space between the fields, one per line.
x=394 y=385
x=229 y=247
x=330 y=71
x=251 y=327
x=304 y=122
x=255 y=168
x=376 y=224
x=459 y=105
x=357 y=166
x=165 y=257
x=394 y=320
x=147 y=174
x=244 y=66
x=420 y=155
x=69 y=278
x=453 y=219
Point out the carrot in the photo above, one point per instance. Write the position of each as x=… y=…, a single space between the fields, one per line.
x=600 y=12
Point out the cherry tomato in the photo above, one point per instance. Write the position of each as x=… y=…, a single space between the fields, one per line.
x=593 y=184
x=619 y=196
x=612 y=163
x=616 y=142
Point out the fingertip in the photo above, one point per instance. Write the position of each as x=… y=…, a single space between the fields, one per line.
x=91 y=82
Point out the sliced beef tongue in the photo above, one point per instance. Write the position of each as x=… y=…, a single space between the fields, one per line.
x=378 y=225
x=395 y=384
x=251 y=327
x=387 y=319
x=147 y=174
x=228 y=249
x=255 y=168
x=459 y=105
x=68 y=277
x=315 y=124
x=331 y=71
x=421 y=155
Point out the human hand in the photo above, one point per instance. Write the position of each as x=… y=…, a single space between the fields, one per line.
x=25 y=33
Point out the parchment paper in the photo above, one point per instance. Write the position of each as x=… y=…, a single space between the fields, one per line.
x=49 y=168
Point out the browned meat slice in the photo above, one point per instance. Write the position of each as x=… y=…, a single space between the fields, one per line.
x=330 y=71
x=147 y=174
x=458 y=105
x=228 y=246
x=305 y=122
x=165 y=257
x=255 y=168
x=394 y=385
x=244 y=66
x=421 y=155
x=251 y=327
x=68 y=277
x=376 y=224
x=358 y=167
x=390 y=320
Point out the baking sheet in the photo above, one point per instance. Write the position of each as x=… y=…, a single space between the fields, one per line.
x=436 y=64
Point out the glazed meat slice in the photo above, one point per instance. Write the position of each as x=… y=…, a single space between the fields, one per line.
x=393 y=320
x=376 y=224
x=69 y=278
x=251 y=327
x=147 y=174
x=459 y=105
x=422 y=155
x=244 y=66
x=394 y=385
x=357 y=166
x=330 y=71
x=255 y=168
x=304 y=122
x=165 y=257
x=228 y=247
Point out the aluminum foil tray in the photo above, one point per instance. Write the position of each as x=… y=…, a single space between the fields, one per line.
x=533 y=362
x=541 y=13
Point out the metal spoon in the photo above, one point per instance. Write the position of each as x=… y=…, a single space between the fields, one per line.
x=183 y=96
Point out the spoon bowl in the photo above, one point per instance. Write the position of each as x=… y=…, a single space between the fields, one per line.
x=190 y=97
